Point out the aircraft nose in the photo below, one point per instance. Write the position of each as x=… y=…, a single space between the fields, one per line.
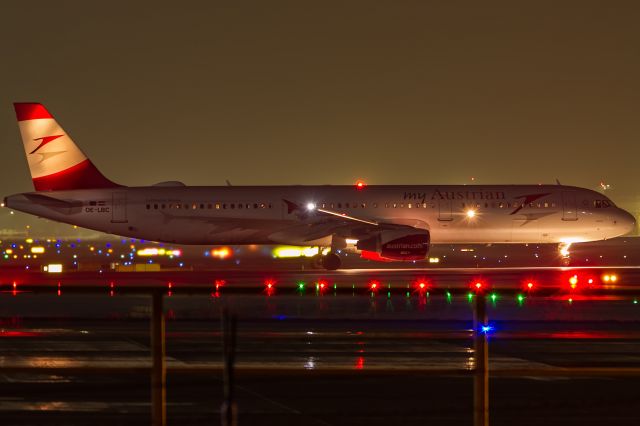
x=625 y=221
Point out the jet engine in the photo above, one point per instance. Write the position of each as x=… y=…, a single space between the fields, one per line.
x=398 y=244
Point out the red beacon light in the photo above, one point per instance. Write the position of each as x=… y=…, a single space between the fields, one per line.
x=360 y=184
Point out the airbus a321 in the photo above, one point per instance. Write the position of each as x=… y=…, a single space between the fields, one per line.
x=386 y=222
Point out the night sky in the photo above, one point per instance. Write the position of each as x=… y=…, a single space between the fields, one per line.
x=320 y=92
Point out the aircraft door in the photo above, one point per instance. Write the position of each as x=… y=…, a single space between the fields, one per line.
x=569 y=206
x=119 y=207
x=445 y=210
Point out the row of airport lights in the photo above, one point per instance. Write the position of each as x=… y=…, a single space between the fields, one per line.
x=421 y=286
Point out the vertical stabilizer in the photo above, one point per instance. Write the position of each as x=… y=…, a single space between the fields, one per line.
x=55 y=162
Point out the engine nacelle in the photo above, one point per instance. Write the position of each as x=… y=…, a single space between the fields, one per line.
x=398 y=245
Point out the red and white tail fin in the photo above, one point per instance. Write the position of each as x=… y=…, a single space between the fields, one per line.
x=55 y=162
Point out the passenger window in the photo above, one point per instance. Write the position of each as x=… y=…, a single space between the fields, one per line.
x=148 y=206
x=232 y=205
x=255 y=205
x=239 y=205
x=155 y=206
x=363 y=205
x=163 y=206
x=375 y=205
x=217 y=206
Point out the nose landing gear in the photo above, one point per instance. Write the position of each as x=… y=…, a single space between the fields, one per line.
x=565 y=254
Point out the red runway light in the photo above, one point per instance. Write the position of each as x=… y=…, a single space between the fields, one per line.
x=374 y=285
x=219 y=283
x=479 y=285
x=422 y=285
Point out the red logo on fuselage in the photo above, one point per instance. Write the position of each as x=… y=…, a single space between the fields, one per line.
x=43 y=141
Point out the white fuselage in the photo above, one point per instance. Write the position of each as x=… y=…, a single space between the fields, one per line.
x=260 y=215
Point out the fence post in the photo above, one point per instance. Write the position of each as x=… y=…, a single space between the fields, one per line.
x=229 y=409
x=159 y=367
x=481 y=349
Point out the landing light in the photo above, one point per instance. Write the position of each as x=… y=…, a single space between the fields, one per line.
x=471 y=213
x=311 y=206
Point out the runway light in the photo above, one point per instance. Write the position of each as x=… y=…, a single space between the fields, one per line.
x=530 y=285
x=573 y=282
x=478 y=286
x=221 y=252
x=322 y=286
x=493 y=297
x=219 y=284
x=301 y=286
x=53 y=268
x=37 y=250
x=374 y=285
x=520 y=298
x=486 y=329
x=270 y=284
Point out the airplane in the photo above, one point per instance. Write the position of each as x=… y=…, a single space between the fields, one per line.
x=382 y=222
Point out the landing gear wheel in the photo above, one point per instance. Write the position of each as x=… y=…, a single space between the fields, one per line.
x=331 y=261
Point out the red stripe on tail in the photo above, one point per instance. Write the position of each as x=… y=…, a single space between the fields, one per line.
x=83 y=175
x=30 y=111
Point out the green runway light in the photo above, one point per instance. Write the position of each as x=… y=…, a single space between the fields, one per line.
x=635 y=301
x=470 y=297
x=408 y=294
x=448 y=296
x=335 y=286
x=493 y=297
x=300 y=286
x=388 y=295
x=520 y=298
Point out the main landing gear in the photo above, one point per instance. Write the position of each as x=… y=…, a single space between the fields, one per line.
x=329 y=261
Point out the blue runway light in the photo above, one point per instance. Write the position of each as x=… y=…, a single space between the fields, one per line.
x=486 y=329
